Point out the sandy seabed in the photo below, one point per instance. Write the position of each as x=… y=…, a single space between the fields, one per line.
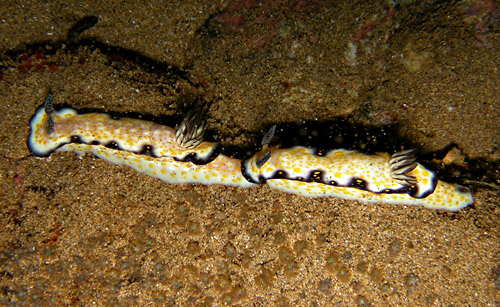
x=76 y=230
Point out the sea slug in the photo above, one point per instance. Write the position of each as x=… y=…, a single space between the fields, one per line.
x=396 y=179
x=173 y=155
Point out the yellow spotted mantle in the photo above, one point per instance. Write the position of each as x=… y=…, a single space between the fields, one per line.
x=145 y=146
x=352 y=175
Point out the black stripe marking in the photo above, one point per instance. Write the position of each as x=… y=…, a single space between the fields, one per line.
x=317 y=176
x=74 y=139
x=357 y=183
x=147 y=150
x=319 y=152
x=110 y=145
x=413 y=190
x=245 y=173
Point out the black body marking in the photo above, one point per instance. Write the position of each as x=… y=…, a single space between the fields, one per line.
x=193 y=156
x=280 y=174
x=319 y=152
x=74 y=139
x=246 y=174
x=111 y=145
x=147 y=150
x=413 y=190
x=318 y=177
x=357 y=183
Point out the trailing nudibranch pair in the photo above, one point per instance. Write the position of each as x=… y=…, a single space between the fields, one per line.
x=181 y=156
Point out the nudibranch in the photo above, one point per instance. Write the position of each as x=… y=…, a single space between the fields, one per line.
x=173 y=155
x=396 y=179
x=182 y=156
